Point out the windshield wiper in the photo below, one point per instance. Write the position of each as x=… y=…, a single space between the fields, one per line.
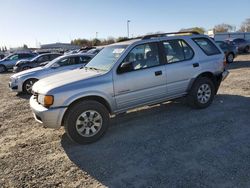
x=93 y=68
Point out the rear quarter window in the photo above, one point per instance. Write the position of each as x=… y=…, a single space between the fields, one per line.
x=207 y=46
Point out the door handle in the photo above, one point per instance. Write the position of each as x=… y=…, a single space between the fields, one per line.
x=196 y=65
x=158 y=73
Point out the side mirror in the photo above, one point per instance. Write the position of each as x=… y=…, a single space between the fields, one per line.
x=125 y=67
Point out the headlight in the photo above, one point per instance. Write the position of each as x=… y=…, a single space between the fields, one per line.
x=45 y=100
x=14 y=79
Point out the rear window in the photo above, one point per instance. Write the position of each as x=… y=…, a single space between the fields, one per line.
x=207 y=46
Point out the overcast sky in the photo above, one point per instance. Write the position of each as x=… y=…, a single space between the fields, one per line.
x=47 y=21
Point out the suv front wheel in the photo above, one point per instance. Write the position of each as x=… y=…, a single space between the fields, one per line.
x=86 y=121
x=202 y=93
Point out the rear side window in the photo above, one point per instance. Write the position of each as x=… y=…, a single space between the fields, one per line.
x=177 y=50
x=207 y=46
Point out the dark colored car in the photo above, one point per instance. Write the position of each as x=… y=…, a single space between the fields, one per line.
x=229 y=50
x=10 y=61
x=242 y=45
x=2 y=56
x=35 y=62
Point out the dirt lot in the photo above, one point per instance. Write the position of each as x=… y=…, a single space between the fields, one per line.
x=169 y=145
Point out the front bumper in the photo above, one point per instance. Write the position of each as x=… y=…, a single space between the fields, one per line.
x=13 y=86
x=16 y=69
x=49 y=117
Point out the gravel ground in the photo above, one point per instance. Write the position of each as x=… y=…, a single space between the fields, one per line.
x=167 y=145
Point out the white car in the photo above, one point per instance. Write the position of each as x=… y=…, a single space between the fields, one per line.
x=23 y=81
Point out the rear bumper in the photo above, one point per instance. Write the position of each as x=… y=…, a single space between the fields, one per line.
x=225 y=74
x=49 y=117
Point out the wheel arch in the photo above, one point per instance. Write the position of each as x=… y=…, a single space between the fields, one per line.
x=97 y=98
x=27 y=80
x=216 y=79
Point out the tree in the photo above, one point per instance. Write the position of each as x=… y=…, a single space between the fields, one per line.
x=120 y=39
x=221 y=28
x=245 y=26
x=81 y=42
x=25 y=46
x=200 y=30
x=96 y=42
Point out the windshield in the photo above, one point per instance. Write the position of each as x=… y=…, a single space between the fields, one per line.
x=105 y=59
x=53 y=61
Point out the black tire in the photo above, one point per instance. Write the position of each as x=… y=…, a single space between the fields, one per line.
x=2 y=69
x=26 y=68
x=75 y=112
x=230 y=58
x=27 y=85
x=195 y=91
x=246 y=49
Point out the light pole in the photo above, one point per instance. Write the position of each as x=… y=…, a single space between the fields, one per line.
x=128 y=21
x=96 y=35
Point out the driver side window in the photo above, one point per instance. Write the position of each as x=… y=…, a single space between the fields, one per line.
x=141 y=57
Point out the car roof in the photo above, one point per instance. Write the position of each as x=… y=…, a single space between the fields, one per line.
x=161 y=36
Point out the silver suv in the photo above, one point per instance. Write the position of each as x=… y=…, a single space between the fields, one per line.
x=126 y=75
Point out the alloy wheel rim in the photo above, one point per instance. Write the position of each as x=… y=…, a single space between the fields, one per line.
x=204 y=93
x=89 y=123
x=230 y=58
x=28 y=86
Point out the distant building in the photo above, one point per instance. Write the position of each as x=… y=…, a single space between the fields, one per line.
x=64 y=46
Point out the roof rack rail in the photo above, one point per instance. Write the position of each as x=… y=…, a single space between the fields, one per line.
x=172 y=33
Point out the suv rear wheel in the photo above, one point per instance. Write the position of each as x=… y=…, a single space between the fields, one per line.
x=202 y=93
x=86 y=121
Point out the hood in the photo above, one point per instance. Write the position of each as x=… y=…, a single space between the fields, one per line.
x=46 y=84
x=26 y=72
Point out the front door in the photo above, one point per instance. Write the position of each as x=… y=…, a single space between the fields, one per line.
x=141 y=77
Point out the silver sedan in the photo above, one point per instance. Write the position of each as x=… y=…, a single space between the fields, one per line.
x=23 y=81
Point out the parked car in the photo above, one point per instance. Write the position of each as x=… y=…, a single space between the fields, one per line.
x=242 y=45
x=23 y=81
x=35 y=62
x=94 y=51
x=126 y=75
x=229 y=50
x=10 y=61
x=2 y=56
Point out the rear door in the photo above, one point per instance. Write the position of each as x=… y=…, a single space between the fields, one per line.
x=180 y=66
x=143 y=80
